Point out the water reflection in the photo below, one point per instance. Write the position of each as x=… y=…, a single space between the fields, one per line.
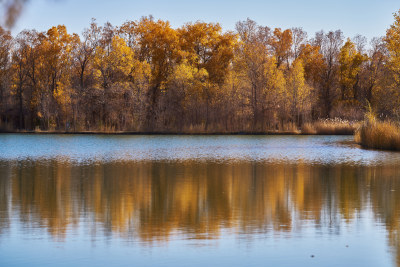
x=150 y=202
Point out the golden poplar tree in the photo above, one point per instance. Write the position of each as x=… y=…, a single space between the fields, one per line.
x=350 y=61
x=393 y=45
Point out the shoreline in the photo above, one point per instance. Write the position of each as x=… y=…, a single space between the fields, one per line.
x=272 y=133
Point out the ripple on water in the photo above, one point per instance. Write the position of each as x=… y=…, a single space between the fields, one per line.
x=108 y=148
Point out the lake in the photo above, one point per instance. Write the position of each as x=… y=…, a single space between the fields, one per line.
x=116 y=200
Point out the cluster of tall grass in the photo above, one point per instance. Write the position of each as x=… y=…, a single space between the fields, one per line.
x=334 y=126
x=377 y=134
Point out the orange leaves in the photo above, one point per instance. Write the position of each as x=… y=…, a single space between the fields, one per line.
x=350 y=66
x=56 y=58
x=206 y=46
x=158 y=44
x=393 y=45
x=281 y=42
x=313 y=63
x=113 y=63
x=199 y=40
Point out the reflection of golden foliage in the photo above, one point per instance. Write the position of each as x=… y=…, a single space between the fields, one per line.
x=153 y=201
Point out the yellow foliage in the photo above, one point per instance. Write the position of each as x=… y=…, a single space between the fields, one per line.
x=297 y=90
x=204 y=45
x=56 y=48
x=158 y=44
x=281 y=43
x=275 y=78
x=350 y=66
x=393 y=45
x=313 y=63
x=114 y=62
x=184 y=73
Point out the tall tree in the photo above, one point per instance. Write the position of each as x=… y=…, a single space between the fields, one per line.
x=20 y=75
x=5 y=48
x=206 y=47
x=330 y=44
x=55 y=64
x=393 y=45
x=159 y=47
x=113 y=64
x=298 y=91
x=299 y=37
x=350 y=61
x=375 y=70
x=252 y=60
x=281 y=43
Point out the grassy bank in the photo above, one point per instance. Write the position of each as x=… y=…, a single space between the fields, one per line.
x=378 y=134
x=154 y=133
x=330 y=127
x=321 y=127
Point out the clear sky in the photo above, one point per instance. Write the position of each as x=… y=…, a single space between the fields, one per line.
x=366 y=17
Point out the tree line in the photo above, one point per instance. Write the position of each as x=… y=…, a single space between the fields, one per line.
x=146 y=76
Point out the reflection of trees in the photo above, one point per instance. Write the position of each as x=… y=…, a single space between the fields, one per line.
x=151 y=201
x=5 y=191
x=385 y=200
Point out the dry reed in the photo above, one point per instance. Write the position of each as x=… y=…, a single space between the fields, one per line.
x=378 y=134
x=330 y=127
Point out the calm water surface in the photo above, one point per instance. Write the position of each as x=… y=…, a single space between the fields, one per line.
x=84 y=200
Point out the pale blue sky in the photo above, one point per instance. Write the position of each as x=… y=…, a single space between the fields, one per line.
x=367 y=17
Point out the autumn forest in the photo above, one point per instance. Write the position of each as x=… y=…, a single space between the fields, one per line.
x=146 y=76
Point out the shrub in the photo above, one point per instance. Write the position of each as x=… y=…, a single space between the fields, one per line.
x=378 y=134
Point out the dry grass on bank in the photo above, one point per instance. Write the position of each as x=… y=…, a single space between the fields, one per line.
x=330 y=127
x=378 y=134
x=322 y=127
